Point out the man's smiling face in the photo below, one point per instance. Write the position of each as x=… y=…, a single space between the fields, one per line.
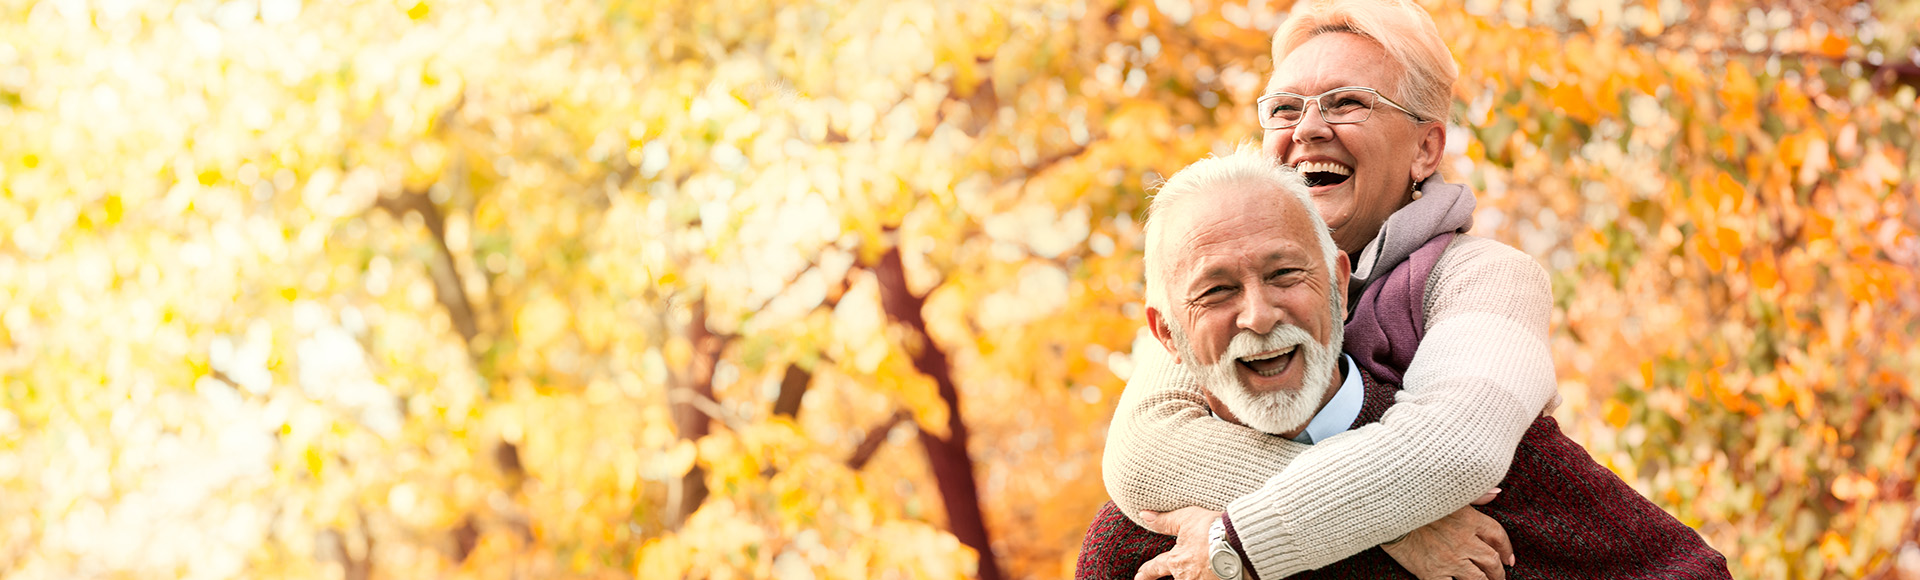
x=1249 y=285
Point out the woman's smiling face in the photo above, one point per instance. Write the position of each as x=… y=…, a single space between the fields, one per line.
x=1359 y=173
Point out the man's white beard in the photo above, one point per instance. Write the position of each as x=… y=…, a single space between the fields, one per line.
x=1279 y=411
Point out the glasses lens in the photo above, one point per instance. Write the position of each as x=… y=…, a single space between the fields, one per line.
x=1280 y=111
x=1349 y=106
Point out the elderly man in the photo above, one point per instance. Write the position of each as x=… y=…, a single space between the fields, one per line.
x=1244 y=284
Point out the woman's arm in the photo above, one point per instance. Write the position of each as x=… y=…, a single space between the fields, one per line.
x=1165 y=451
x=1482 y=374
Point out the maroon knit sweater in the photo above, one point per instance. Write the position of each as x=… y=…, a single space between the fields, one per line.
x=1567 y=516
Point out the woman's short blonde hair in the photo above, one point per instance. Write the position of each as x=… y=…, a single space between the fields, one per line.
x=1402 y=27
x=1246 y=168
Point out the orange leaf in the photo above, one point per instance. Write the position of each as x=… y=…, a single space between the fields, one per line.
x=1567 y=97
x=1617 y=414
x=1738 y=94
x=1833 y=46
x=1819 y=227
x=1728 y=241
x=1773 y=390
x=1793 y=150
x=1709 y=255
x=1765 y=274
x=1729 y=190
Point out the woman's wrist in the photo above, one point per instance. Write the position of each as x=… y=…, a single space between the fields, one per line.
x=1396 y=540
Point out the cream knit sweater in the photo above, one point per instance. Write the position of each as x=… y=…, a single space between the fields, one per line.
x=1482 y=374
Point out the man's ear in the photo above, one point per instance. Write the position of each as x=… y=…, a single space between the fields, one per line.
x=1157 y=322
x=1433 y=144
x=1344 y=270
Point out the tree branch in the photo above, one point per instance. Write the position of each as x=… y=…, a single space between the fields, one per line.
x=793 y=387
x=445 y=271
x=1892 y=68
x=707 y=407
x=876 y=436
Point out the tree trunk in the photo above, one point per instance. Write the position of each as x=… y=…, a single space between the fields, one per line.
x=952 y=464
x=689 y=421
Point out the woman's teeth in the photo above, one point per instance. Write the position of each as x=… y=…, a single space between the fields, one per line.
x=1323 y=167
x=1318 y=173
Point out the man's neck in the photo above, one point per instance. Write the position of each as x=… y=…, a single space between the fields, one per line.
x=1338 y=376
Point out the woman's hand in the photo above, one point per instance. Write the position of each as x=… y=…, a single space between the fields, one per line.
x=1464 y=545
x=1188 y=558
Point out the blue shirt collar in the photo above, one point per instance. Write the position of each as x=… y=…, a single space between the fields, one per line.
x=1338 y=415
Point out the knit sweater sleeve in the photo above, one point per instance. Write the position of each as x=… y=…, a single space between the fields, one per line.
x=1483 y=372
x=1165 y=451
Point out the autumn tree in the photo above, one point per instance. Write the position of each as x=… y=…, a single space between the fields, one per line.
x=848 y=289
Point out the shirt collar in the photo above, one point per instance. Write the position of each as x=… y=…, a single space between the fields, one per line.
x=1338 y=415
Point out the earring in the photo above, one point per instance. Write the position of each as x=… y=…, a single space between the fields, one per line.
x=1414 y=190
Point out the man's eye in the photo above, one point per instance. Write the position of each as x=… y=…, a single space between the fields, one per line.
x=1284 y=272
x=1217 y=290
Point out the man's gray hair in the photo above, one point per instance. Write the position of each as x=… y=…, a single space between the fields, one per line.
x=1247 y=168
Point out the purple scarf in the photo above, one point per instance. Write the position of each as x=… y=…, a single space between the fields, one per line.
x=1389 y=317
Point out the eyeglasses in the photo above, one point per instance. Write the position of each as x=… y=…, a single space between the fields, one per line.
x=1339 y=106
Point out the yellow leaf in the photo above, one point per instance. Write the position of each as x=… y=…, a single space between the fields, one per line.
x=665 y=557
x=679 y=460
x=541 y=322
x=314 y=461
x=1616 y=413
x=1833 y=546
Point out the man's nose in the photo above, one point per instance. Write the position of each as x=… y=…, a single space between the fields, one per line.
x=1260 y=311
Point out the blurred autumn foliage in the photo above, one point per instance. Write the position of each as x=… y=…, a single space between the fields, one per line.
x=804 y=289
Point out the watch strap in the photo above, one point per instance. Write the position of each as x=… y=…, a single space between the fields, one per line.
x=1233 y=540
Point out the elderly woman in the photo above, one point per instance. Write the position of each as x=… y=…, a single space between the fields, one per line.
x=1356 y=104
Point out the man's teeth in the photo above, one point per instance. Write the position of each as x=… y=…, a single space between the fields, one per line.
x=1323 y=167
x=1271 y=355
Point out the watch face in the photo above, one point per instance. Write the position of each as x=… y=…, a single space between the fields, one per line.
x=1225 y=564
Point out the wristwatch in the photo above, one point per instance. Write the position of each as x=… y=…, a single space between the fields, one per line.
x=1222 y=558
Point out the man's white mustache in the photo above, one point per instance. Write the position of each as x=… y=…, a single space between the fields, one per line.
x=1247 y=343
x=1279 y=411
